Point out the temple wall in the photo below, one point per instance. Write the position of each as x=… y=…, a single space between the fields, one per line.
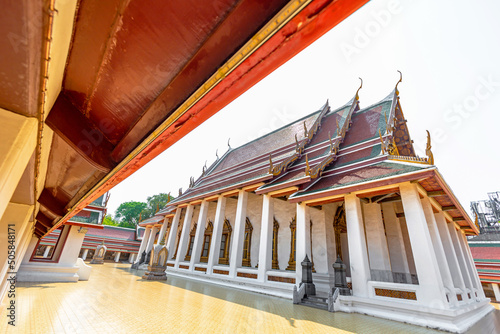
x=284 y=212
x=231 y=205
x=319 y=244
x=254 y=213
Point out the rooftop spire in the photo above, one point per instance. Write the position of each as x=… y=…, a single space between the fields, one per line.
x=400 y=80
x=360 y=86
x=428 y=152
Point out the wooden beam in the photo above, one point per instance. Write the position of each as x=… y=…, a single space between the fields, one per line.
x=83 y=136
x=377 y=199
x=400 y=214
x=449 y=208
x=325 y=201
x=253 y=187
x=39 y=228
x=283 y=192
x=51 y=203
x=43 y=219
x=391 y=199
x=458 y=219
x=436 y=193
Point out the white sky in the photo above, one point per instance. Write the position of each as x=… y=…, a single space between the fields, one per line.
x=449 y=53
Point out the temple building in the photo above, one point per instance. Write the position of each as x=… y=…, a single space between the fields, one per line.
x=343 y=184
x=122 y=243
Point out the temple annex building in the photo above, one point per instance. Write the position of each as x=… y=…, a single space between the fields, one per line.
x=338 y=186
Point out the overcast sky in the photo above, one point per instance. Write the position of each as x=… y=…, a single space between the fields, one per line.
x=449 y=53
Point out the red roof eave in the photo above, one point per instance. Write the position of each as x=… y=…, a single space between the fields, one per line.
x=307 y=26
x=366 y=185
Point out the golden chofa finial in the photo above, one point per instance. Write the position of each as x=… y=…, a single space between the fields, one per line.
x=168 y=197
x=331 y=141
x=305 y=129
x=204 y=169
x=308 y=169
x=297 y=148
x=400 y=80
x=217 y=153
x=381 y=142
x=360 y=86
x=270 y=164
x=428 y=152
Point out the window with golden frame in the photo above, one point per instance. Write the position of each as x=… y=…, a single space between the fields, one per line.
x=293 y=239
x=247 y=244
x=191 y=242
x=276 y=227
x=225 y=242
x=207 y=238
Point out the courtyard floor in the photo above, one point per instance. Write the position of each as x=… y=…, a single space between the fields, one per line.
x=117 y=300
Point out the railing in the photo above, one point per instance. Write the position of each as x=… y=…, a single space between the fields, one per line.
x=332 y=297
x=408 y=158
x=299 y=294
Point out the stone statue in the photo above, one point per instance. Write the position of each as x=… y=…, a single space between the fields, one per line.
x=157 y=263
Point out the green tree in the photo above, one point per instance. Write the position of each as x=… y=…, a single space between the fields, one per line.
x=109 y=220
x=128 y=213
x=154 y=203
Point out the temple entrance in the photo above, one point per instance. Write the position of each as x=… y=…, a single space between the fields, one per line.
x=340 y=230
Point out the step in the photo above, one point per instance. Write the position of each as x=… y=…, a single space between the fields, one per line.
x=321 y=306
x=317 y=298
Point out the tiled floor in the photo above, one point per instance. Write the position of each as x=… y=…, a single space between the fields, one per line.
x=117 y=300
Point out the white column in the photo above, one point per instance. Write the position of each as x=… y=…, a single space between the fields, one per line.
x=162 y=230
x=47 y=250
x=302 y=240
x=472 y=266
x=173 y=233
x=213 y=257
x=444 y=268
x=144 y=242
x=496 y=291
x=358 y=254
x=181 y=250
x=432 y=291
x=451 y=256
x=395 y=242
x=239 y=233
x=85 y=253
x=461 y=259
x=378 y=250
x=200 y=232
x=151 y=241
x=117 y=256
x=266 y=238
x=20 y=141
x=131 y=257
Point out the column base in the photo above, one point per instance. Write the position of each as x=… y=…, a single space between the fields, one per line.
x=47 y=273
x=456 y=320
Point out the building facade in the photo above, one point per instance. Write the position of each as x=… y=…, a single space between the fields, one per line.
x=343 y=183
x=122 y=243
